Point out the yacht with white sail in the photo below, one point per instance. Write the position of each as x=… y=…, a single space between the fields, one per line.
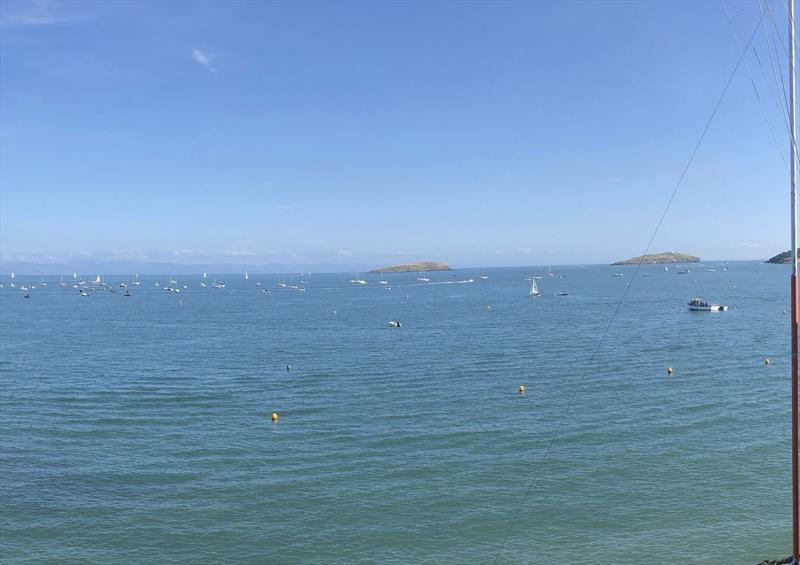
x=534 y=291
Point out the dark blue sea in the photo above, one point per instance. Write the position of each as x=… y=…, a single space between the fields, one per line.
x=137 y=429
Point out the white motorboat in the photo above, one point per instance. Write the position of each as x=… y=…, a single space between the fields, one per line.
x=700 y=305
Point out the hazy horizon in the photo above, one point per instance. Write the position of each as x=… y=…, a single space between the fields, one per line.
x=165 y=268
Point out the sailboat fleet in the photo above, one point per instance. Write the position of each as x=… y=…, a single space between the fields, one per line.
x=85 y=287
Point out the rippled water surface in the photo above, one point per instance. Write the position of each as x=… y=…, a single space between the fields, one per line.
x=137 y=430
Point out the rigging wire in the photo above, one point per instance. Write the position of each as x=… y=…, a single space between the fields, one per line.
x=782 y=86
x=588 y=365
x=777 y=35
x=753 y=82
x=776 y=73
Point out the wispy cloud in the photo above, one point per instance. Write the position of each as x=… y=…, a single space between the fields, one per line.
x=203 y=59
x=514 y=251
x=344 y=253
x=24 y=14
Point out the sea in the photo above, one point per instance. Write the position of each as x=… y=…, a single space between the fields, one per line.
x=137 y=429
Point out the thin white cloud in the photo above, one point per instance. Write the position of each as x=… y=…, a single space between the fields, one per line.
x=203 y=59
x=344 y=253
x=514 y=251
x=25 y=14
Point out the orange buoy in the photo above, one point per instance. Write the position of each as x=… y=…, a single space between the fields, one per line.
x=274 y=417
x=669 y=370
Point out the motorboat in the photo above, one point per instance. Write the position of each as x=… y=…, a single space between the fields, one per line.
x=700 y=305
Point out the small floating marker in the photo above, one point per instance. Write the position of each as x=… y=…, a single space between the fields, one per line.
x=488 y=306
x=274 y=417
x=766 y=361
x=288 y=367
x=333 y=311
x=521 y=389
x=669 y=370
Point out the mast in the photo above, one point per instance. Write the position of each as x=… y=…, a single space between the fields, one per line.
x=794 y=313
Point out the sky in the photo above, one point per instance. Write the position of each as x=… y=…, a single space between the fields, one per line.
x=361 y=134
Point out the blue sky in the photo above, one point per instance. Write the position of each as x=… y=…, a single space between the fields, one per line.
x=364 y=133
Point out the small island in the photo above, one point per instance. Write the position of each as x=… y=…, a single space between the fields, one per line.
x=654 y=258
x=413 y=267
x=781 y=258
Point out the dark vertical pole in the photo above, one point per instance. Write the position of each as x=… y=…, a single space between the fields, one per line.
x=793 y=254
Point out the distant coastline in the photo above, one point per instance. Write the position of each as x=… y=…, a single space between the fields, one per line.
x=656 y=258
x=413 y=267
x=781 y=258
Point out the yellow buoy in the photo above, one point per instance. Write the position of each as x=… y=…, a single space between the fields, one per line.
x=669 y=370
x=521 y=389
x=274 y=417
x=766 y=361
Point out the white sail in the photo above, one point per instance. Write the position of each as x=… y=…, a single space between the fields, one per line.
x=534 y=288
x=13 y=276
x=205 y=276
x=246 y=277
x=97 y=280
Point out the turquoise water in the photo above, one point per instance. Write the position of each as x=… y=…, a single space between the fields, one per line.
x=135 y=430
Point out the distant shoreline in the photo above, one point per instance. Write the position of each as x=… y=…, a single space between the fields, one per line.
x=47 y=270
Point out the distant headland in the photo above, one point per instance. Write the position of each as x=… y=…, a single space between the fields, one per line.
x=654 y=258
x=413 y=267
x=782 y=258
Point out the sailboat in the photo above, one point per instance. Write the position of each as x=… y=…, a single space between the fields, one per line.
x=97 y=280
x=62 y=283
x=423 y=277
x=246 y=276
x=534 y=289
x=483 y=276
x=357 y=280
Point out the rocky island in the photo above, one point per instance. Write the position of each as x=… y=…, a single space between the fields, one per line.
x=781 y=258
x=413 y=267
x=655 y=258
